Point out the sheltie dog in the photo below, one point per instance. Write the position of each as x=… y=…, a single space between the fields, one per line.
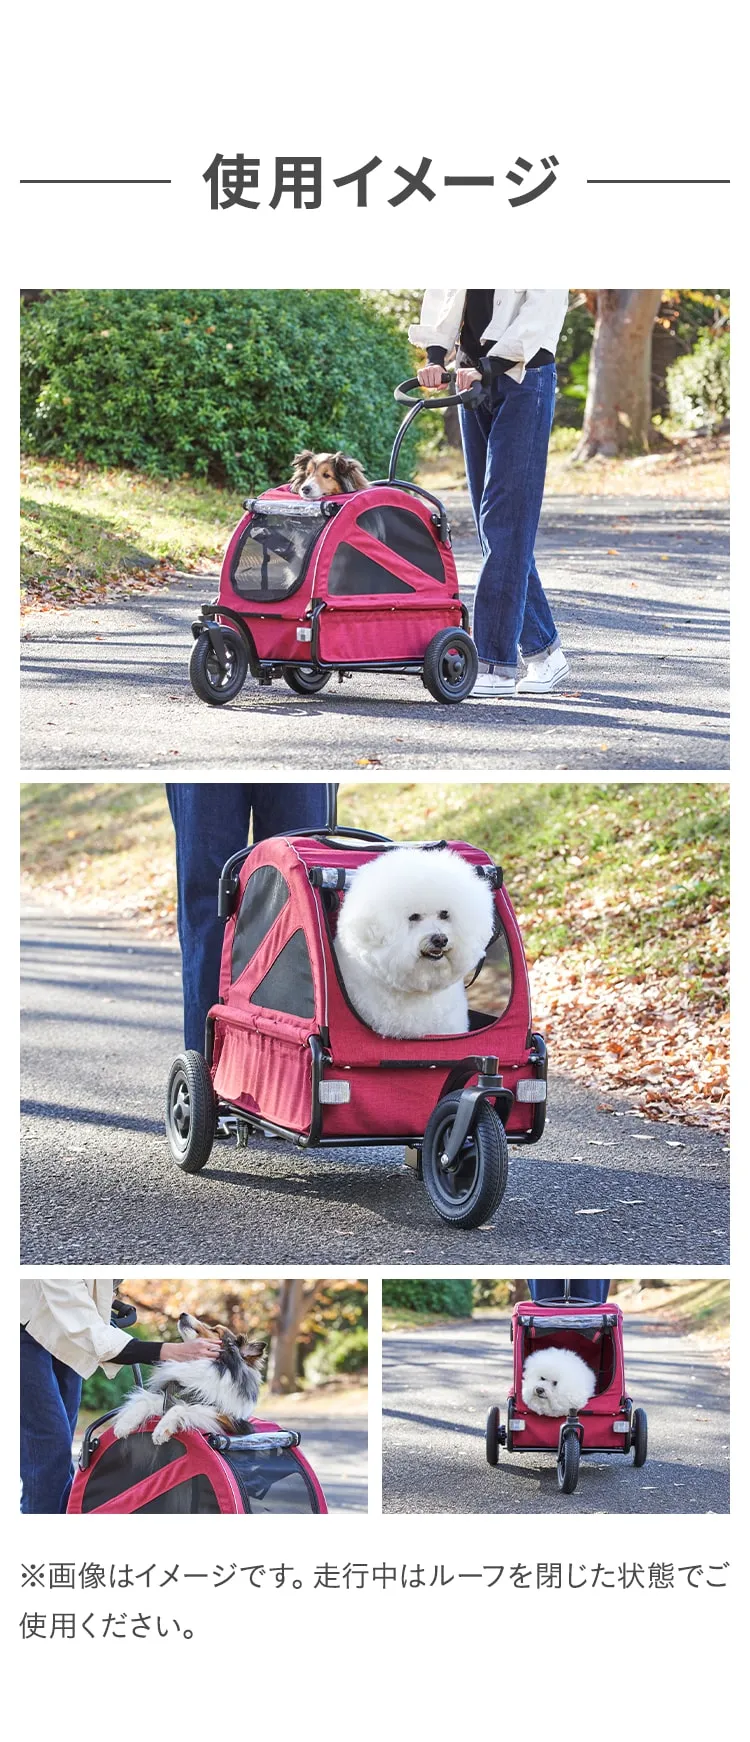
x=215 y=1395
x=315 y=475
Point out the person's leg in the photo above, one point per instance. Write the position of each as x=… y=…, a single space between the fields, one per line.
x=211 y=821
x=50 y=1400
x=278 y=807
x=511 y=608
x=476 y=423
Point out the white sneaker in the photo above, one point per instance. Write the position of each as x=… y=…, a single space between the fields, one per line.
x=492 y=683
x=544 y=673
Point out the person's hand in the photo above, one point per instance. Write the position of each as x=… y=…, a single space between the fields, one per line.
x=465 y=379
x=431 y=375
x=200 y=1349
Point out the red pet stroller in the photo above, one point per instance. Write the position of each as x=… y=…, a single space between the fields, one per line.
x=259 y=1469
x=359 y=582
x=608 y=1423
x=287 y=1055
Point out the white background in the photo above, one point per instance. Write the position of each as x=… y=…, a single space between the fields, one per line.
x=156 y=90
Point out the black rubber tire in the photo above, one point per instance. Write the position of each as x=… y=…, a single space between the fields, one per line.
x=568 y=1464
x=492 y=1440
x=639 y=1439
x=450 y=666
x=206 y=677
x=190 y=1116
x=305 y=681
x=468 y=1194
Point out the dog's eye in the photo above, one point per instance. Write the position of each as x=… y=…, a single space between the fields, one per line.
x=413 y=917
x=554 y=1382
x=444 y=914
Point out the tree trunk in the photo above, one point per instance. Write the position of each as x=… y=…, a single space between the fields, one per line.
x=618 y=407
x=295 y=1301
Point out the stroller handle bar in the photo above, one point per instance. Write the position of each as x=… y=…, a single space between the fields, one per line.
x=472 y=395
x=403 y=396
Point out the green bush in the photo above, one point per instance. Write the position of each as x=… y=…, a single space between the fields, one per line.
x=342 y=1352
x=454 y=1298
x=221 y=384
x=698 y=384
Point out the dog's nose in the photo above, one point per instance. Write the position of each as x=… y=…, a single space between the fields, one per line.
x=438 y=940
x=540 y=1391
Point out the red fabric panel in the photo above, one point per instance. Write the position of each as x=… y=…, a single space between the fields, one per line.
x=302 y=909
x=374 y=631
x=201 y=1459
x=344 y=528
x=264 y=1072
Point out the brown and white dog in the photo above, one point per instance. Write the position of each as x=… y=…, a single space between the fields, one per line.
x=215 y=1396
x=316 y=475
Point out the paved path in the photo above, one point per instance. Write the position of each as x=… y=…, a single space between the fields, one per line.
x=648 y=641
x=101 y=1023
x=438 y=1385
x=336 y=1446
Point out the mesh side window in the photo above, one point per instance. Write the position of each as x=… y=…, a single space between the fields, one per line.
x=491 y=992
x=264 y=895
x=353 y=572
x=271 y=557
x=288 y=985
x=123 y=1464
x=407 y=535
x=272 y=1481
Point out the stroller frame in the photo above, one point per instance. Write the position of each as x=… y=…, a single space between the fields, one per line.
x=609 y=1422
x=229 y=639
x=460 y=1128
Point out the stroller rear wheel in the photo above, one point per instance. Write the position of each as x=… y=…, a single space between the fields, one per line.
x=450 y=666
x=568 y=1463
x=210 y=682
x=466 y=1191
x=493 y=1438
x=639 y=1439
x=190 y=1112
x=305 y=680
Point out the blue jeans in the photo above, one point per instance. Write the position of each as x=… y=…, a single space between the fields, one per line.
x=211 y=822
x=50 y=1401
x=505 y=444
x=592 y=1290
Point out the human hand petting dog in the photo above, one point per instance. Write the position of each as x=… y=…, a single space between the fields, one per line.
x=199 y=1349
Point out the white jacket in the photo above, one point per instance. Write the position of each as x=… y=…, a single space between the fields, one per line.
x=71 y=1321
x=523 y=322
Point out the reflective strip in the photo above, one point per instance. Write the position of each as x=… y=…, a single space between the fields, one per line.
x=531 y=1089
x=334 y=1093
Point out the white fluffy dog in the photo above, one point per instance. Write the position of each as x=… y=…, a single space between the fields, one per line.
x=413 y=925
x=556 y=1381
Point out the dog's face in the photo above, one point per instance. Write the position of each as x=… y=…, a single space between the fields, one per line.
x=556 y=1381
x=316 y=475
x=239 y=1365
x=419 y=920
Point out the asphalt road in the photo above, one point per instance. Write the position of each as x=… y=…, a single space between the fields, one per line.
x=101 y=1023
x=639 y=589
x=438 y=1385
x=336 y=1446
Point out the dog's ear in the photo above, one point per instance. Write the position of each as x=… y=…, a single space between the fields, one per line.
x=348 y=471
x=254 y=1352
x=300 y=464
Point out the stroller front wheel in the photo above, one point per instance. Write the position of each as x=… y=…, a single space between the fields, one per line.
x=211 y=682
x=465 y=1192
x=305 y=680
x=190 y=1112
x=639 y=1438
x=450 y=666
x=568 y=1463
x=492 y=1441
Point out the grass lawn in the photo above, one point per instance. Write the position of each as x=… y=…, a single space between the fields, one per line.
x=621 y=891
x=84 y=531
